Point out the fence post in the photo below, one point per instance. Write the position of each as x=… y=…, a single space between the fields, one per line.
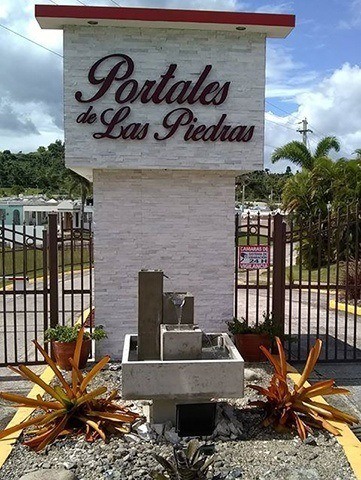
x=236 y=233
x=53 y=269
x=279 y=271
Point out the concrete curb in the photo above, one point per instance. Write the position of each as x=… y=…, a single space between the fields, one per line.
x=23 y=413
x=343 y=307
x=347 y=439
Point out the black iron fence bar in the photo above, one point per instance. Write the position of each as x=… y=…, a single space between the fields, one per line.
x=35 y=297
x=90 y=275
x=4 y=290
x=25 y=316
x=337 y=279
x=269 y=266
x=319 y=262
x=13 y=251
x=45 y=286
x=257 y=271
x=236 y=259
x=82 y=266
x=328 y=281
x=309 y=300
x=290 y=313
x=357 y=288
x=247 y=271
x=72 y=269
x=347 y=279
x=53 y=270
x=62 y=250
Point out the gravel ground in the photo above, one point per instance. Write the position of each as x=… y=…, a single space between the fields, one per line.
x=261 y=454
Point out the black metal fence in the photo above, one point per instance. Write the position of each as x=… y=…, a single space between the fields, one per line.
x=45 y=279
x=312 y=285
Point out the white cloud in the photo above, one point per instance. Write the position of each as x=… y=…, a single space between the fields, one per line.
x=284 y=7
x=286 y=78
x=333 y=107
x=353 y=19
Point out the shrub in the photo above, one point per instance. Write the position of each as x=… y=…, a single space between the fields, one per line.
x=188 y=464
x=297 y=408
x=67 y=334
x=72 y=408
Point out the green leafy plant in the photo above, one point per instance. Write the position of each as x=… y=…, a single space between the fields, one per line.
x=269 y=326
x=72 y=408
x=188 y=464
x=297 y=408
x=67 y=334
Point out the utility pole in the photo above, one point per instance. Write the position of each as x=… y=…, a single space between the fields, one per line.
x=305 y=130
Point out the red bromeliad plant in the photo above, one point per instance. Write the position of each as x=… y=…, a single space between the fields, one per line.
x=72 y=409
x=296 y=408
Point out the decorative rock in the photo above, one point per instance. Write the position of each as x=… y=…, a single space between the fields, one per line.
x=158 y=428
x=145 y=432
x=129 y=437
x=172 y=436
x=234 y=474
x=304 y=474
x=310 y=440
x=250 y=375
x=49 y=474
x=70 y=465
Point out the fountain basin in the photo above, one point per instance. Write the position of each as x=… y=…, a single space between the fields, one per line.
x=218 y=373
x=180 y=342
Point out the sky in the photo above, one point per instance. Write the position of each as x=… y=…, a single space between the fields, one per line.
x=315 y=72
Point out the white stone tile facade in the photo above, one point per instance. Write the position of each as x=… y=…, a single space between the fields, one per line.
x=164 y=205
x=235 y=56
x=179 y=221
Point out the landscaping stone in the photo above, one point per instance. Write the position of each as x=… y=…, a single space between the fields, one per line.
x=251 y=375
x=257 y=454
x=49 y=475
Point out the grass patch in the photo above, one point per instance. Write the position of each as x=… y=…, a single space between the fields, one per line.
x=314 y=275
x=252 y=240
x=30 y=262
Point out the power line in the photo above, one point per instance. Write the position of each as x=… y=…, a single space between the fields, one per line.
x=280 y=124
x=32 y=41
x=282 y=110
x=115 y=3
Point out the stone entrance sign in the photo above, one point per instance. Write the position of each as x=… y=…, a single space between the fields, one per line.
x=162 y=109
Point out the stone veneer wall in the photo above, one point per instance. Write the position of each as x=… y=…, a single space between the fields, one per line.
x=235 y=56
x=178 y=221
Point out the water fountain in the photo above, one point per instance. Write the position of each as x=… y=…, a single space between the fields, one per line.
x=171 y=361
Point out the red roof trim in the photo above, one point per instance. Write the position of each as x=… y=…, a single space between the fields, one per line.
x=164 y=15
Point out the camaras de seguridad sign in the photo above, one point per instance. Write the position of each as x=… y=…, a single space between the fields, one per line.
x=183 y=96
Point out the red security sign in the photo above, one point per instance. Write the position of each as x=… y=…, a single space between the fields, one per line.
x=254 y=256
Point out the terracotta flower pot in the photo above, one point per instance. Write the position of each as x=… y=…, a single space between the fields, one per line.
x=65 y=350
x=248 y=346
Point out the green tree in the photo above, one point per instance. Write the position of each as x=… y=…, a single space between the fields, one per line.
x=297 y=153
x=79 y=184
x=316 y=199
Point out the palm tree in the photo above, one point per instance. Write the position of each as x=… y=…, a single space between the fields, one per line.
x=297 y=153
x=77 y=182
x=358 y=153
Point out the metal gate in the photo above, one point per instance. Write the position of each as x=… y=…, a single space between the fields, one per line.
x=312 y=287
x=45 y=279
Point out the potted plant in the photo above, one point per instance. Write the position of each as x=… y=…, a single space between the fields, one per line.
x=249 y=338
x=63 y=342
